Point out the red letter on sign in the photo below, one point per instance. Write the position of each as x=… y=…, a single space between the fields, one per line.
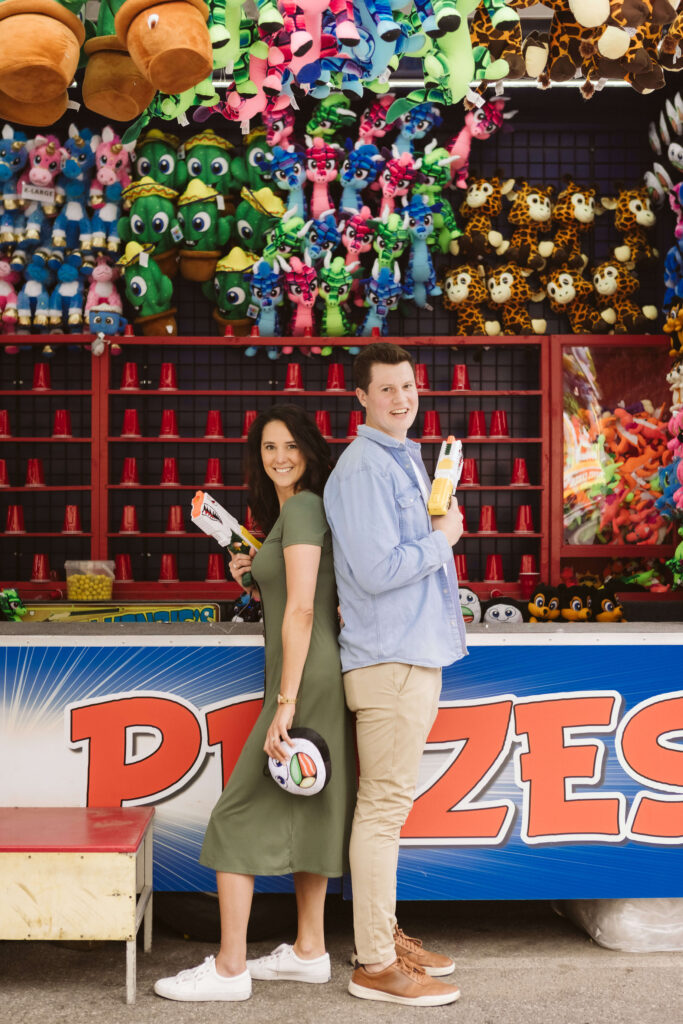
x=648 y=752
x=113 y=776
x=555 y=760
x=479 y=737
x=228 y=727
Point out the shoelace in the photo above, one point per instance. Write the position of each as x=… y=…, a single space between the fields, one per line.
x=197 y=973
x=415 y=973
x=415 y=945
x=274 y=958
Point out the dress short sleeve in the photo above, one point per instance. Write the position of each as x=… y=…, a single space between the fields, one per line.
x=303 y=520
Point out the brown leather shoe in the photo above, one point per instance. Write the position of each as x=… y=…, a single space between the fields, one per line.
x=404 y=983
x=435 y=964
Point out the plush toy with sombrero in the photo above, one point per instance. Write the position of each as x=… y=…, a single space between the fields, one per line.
x=256 y=214
x=207 y=157
x=230 y=291
x=152 y=220
x=206 y=231
x=148 y=290
x=156 y=157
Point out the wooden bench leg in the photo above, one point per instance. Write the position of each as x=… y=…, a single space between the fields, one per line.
x=131 y=967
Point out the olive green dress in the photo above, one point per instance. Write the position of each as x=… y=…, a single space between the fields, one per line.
x=257 y=828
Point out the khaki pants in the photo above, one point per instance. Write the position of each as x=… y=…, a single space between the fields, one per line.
x=395 y=707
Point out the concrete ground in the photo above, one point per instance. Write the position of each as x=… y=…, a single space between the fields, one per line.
x=517 y=963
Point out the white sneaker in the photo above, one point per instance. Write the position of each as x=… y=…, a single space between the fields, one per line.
x=204 y=984
x=284 y=965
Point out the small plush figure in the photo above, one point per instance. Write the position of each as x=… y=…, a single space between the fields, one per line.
x=331 y=117
x=256 y=214
x=357 y=235
x=112 y=166
x=267 y=294
x=614 y=287
x=66 y=298
x=8 y=297
x=373 y=121
x=230 y=291
x=483 y=201
x=500 y=611
x=205 y=231
x=575 y=603
x=301 y=284
x=148 y=290
x=208 y=158
x=605 y=605
x=156 y=157
x=13 y=158
x=396 y=179
x=102 y=291
x=336 y=279
x=435 y=177
x=382 y=293
x=531 y=212
x=510 y=292
x=287 y=169
x=391 y=239
x=544 y=604
x=420 y=277
x=324 y=235
x=360 y=169
x=470 y=606
x=465 y=293
x=152 y=221
x=570 y=293
x=33 y=300
x=286 y=237
x=480 y=123
x=414 y=125
x=12 y=607
x=633 y=217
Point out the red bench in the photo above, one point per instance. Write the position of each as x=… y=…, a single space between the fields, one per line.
x=77 y=873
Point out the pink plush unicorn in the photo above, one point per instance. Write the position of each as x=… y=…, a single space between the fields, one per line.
x=102 y=292
x=480 y=123
x=112 y=163
x=322 y=167
x=8 y=298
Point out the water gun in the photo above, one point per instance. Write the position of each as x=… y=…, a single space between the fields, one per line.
x=446 y=477
x=213 y=519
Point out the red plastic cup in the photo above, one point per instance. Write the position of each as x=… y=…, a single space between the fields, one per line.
x=169 y=569
x=72 y=520
x=432 y=426
x=487 y=519
x=294 y=380
x=15 y=519
x=167 y=378
x=476 y=425
x=40 y=572
x=494 y=569
x=322 y=422
x=335 y=377
x=249 y=417
x=461 y=568
x=169 y=473
x=355 y=421
x=527 y=564
x=215 y=570
x=524 y=522
x=174 y=523
x=131 y=423
x=214 y=424
x=129 y=520
x=520 y=474
x=34 y=473
x=461 y=378
x=41 y=377
x=4 y=475
x=4 y=423
x=123 y=572
x=129 y=377
x=499 y=424
x=470 y=475
x=129 y=473
x=214 y=473
x=421 y=377
x=169 y=424
x=528 y=575
x=61 y=426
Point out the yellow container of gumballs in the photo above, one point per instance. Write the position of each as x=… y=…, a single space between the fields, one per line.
x=89 y=581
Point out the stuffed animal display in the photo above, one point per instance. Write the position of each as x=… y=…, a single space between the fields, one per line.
x=59 y=236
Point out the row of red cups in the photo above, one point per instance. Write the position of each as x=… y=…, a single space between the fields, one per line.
x=15 y=524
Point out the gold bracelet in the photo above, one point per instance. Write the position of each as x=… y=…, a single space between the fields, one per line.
x=285 y=700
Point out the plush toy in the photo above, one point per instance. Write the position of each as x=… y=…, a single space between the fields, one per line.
x=382 y=293
x=450 y=64
x=573 y=216
x=322 y=163
x=465 y=293
x=501 y=40
x=156 y=157
x=8 y=298
x=287 y=169
x=286 y=237
x=483 y=201
x=360 y=169
x=614 y=287
x=13 y=158
x=373 y=121
x=255 y=216
x=544 y=604
x=633 y=216
x=33 y=299
x=301 y=285
x=470 y=606
x=415 y=124
x=112 y=163
x=205 y=231
x=399 y=173
x=570 y=293
x=480 y=123
x=674 y=379
x=331 y=117
x=531 y=213
x=112 y=84
x=357 y=236
x=420 y=277
x=41 y=172
x=324 y=235
x=509 y=291
x=12 y=607
x=72 y=225
x=435 y=177
x=267 y=294
x=251 y=168
x=575 y=603
x=391 y=239
x=148 y=290
x=103 y=295
x=230 y=292
x=279 y=125
x=336 y=279
x=503 y=611
x=66 y=298
x=152 y=221
x=207 y=157
x=605 y=605
x=572 y=35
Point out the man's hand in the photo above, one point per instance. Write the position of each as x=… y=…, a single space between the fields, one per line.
x=451 y=523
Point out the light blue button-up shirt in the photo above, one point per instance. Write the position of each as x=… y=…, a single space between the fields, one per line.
x=396 y=580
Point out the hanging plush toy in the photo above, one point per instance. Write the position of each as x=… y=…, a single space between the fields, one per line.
x=255 y=216
x=72 y=225
x=156 y=157
x=509 y=291
x=415 y=124
x=359 y=170
x=152 y=221
x=396 y=179
x=575 y=603
x=466 y=294
x=382 y=293
x=112 y=84
x=435 y=176
x=570 y=293
x=483 y=202
x=148 y=290
x=331 y=117
x=322 y=163
x=420 y=277
x=207 y=157
x=41 y=172
x=267 y=295
x=504 y=611
x=205 y=231
x=531 y=212
x=8 y=298
x=13 y=158
x=391 y=239
x=633 y=217
x=373 y=121
x=112 y=160
x=286 y=237
x=480 y=123
x=230 y=291
x=574 y=215
x=301 y=285
x=324 y=235
x=336 y=279
x=614 y=287
x=288 y=171
x=103 y=296
x=357 y=236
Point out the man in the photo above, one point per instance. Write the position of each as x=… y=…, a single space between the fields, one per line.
x=401 y=618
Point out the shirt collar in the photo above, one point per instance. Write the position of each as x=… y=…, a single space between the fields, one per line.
x=386 y=439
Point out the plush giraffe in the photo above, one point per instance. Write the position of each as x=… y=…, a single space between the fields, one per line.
x=510 y=292
x=633 y=216
x=531 y=211
x=570 y=293
x=573 y=215
x=671 y=49
x=483 y=201
x=614 y=287
x=465 y=293
x=502 y=41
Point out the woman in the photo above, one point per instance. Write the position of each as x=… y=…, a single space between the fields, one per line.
x=257 y=828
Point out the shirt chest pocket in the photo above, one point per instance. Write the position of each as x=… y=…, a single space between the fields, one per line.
x=412 y=514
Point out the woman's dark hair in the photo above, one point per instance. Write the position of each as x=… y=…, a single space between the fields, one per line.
x=314 y=448
x=378 y=352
